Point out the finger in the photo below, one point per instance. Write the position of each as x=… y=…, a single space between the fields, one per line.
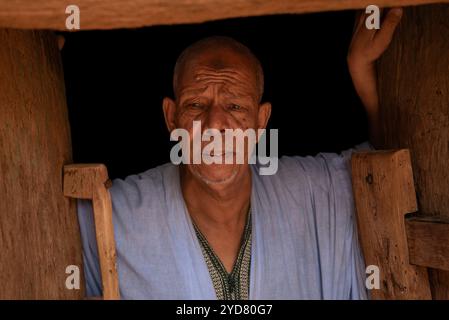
x=384 y=35
x=368 y=33
x=358 y=20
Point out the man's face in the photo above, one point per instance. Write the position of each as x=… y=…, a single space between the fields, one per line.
x=219 y=89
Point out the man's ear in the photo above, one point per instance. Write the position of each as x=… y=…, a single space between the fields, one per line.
x=264 y=115
x=169 y=108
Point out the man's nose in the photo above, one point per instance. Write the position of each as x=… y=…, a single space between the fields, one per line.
x=216 y=118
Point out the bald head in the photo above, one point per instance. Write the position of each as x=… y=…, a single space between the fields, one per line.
x=219 y=52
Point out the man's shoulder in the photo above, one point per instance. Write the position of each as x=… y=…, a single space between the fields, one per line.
x=322 y=163
x=290 y=167
x=143 y=187
x=309 y=172
x=145 y=179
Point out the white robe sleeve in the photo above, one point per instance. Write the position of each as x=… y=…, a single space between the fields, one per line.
x=342 y=263
x=92 y=271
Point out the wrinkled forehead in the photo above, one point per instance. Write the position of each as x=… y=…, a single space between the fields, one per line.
x=231 y=70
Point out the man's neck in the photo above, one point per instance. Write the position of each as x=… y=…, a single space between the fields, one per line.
x=217 y=206
x=219 y=212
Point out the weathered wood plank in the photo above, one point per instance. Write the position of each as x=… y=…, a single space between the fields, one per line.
x=90 y=181
x=112 y=14
x=384 y=193
x=39 y=232
x=413 y=82
x=439 y=283
x=428 y=241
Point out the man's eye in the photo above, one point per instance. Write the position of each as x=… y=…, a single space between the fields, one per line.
x=235 y=107
x=194 y=105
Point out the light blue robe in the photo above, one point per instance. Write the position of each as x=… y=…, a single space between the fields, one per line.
x=304 y=245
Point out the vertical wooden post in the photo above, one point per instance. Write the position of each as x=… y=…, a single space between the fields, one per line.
x=384 y=193
x=39 y=232
x=91 y=181
x=414 y=98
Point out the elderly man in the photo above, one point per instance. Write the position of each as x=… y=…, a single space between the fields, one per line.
x=222 y=231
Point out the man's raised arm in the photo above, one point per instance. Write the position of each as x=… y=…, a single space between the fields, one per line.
x=367 y=45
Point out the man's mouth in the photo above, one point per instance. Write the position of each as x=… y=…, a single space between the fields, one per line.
x=218 y=154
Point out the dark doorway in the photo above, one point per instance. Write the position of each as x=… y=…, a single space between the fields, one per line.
x=116 y=80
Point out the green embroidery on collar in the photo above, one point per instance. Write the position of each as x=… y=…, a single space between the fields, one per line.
x=234 y=285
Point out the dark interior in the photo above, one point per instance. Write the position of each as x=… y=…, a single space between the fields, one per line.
x=115 y=82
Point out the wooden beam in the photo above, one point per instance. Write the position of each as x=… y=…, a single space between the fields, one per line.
x=428 y=241
x=113 y=14
x=384 y=193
